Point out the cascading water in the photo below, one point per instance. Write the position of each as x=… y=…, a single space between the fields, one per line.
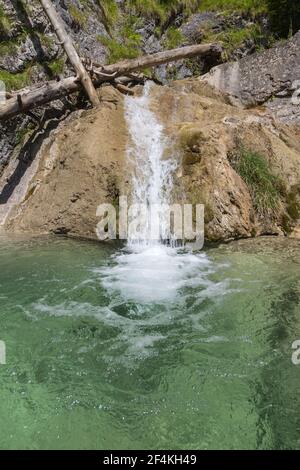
x=152 y=175
x=149 y=270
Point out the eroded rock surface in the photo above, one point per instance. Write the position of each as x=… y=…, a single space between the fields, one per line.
x=80 y=166
x=207 y=129
x=270 y=77
x=83 y=164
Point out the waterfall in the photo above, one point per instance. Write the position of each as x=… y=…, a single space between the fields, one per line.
x=149 y=271
x=152 y=173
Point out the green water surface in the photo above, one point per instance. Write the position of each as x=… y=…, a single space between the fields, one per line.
x=89 y=368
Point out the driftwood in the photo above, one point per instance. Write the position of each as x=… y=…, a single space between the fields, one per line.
x=70 y=50
x=29 y=98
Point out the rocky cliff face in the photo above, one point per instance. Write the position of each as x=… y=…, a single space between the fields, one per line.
x=107 y=31
x=234 y=131
x=83 y=164
x=269 y=78
x=210 y=136
x=79 y=166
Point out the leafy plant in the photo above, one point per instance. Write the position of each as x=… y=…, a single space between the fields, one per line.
x=127 y=45
x=118 y=51
x=233 y=38
x=57 y=66
x=110 y=10
x=284 y=16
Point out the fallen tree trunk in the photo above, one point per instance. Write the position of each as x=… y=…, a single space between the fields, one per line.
x=71 y=52
x=38 y=95
x=153 y=60
x=31 y=98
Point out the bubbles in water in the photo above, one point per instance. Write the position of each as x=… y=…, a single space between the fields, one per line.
x=154 y=274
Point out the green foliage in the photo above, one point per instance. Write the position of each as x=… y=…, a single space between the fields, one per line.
x=128 y=45
x=110 y=10
x=128 y=31
x=264 y=186
x=284 y=16
x=254 y=7
x=233 y=38
x=46 y=41
x=162 y=9
x=7 y=47
x=57 y=66
x=5 y=22
x=174 y=38
x=15 y=81
x=22 y=133
x=78 y=16
x=127 y=48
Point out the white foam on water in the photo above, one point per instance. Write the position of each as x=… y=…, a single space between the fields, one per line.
x=155 y=274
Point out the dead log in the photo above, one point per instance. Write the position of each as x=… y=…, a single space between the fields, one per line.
x=153 y=60
x=38 y=95
x=71 y=52
x=123 y=89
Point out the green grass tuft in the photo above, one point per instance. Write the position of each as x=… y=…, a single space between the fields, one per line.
x=255 y=7
x=118 y=51
x=5 y=22
x=15 y=81
x=174 y=38
x=162 y=9
x=129 y=44
x=234 y=38
x=57 y=66
x=265 y=188
x=110 y=10
x=78 y=16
